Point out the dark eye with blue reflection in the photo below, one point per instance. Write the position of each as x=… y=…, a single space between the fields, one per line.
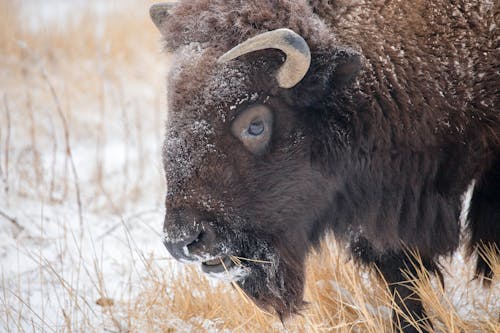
x=256 y=128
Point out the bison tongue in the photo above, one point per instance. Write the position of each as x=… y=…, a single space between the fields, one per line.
x=218 y=265
x=213 y=262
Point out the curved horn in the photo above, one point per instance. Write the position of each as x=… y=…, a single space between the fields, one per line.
x=298 y=55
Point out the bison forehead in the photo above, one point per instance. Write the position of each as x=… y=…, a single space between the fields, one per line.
x=200 y=87
x=203 y=99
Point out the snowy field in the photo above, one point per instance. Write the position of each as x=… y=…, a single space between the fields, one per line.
x=81 y=196
x=80 y=179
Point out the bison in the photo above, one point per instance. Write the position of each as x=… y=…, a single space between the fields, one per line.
x=292 y=118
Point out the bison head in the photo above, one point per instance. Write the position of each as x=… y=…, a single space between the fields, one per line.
x=247 y=194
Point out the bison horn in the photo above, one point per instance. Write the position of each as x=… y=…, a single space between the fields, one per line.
x=298 y=55
x=159 y=12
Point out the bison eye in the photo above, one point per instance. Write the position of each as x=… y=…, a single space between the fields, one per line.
x=256 y=128
x=253 y=128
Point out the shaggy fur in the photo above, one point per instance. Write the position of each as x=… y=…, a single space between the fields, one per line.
x=396 y=117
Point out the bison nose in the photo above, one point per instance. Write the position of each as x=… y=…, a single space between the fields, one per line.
x=178 y=248
x=194 y=242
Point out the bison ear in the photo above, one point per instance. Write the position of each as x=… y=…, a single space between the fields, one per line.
x=159 y=13
x=346 y=64
x=330 y=72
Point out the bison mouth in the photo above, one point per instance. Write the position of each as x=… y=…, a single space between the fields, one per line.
x=218 y=265
x=267 y=270
x=226 y=268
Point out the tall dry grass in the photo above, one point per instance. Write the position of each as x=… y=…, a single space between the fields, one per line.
x=342 y=298
x=81 y=117
x=69 y=94
x=63 y=85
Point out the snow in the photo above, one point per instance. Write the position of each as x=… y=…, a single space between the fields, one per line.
x=65 y=12
x=55 y=264
x=232 y=274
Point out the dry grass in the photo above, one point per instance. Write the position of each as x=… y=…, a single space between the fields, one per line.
x=342 y=298
x=80 y=82
x=69 y=95
x=81 y=116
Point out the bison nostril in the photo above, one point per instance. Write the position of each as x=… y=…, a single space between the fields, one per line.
x=203 y=244
x=187 y=240
x=197 y=240
x=180 y=248
x=200 y=244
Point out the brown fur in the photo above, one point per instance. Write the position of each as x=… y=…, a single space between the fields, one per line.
x=378 y=150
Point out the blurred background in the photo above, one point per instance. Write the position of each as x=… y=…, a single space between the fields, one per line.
x=82 y=113
x=82 y=108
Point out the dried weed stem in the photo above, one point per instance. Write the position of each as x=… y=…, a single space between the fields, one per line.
x=68 y=151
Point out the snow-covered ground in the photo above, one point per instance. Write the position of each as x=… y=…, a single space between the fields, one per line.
x=59 y=257
x=54 y=259
x=53 y=264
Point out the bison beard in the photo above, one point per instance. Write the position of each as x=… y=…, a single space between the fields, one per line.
x=279 y=284
x=275 y=278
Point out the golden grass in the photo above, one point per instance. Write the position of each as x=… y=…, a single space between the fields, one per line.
x=68 y=94
x=64 y=85
x=60 y=87
x=122 y=36
x=342 y=298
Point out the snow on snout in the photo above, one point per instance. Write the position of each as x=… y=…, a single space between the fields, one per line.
x=186 y=146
